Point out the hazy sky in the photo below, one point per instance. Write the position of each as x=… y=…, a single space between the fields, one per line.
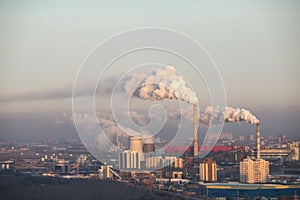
x=255 y=44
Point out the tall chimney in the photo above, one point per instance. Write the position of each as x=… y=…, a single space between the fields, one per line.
x=258 y=140
x=195 y=131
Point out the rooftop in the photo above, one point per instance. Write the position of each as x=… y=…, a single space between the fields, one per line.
x=244 y=186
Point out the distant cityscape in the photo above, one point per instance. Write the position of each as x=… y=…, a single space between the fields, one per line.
x=233 y=169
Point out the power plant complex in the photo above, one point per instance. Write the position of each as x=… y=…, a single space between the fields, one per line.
x=235 y=162
x=141 y=155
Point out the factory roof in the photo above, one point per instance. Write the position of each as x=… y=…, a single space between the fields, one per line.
x=244 y=186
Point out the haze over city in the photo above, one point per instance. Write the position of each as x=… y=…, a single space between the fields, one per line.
x=254 y=44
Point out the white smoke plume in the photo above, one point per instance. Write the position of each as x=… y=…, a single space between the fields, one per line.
x=161 y=84
x=228 y=114
x=216 y=115
x=139 y=119
x=113 y=130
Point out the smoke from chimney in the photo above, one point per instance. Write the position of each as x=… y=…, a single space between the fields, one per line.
x=228 y=114
x=160 y=84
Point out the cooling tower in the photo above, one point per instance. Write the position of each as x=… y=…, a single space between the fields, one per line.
x=136 y=144
x=148 y=148
x=195 y=121
x=258 y=140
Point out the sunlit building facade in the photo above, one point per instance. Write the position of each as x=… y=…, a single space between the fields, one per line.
x=129 y=160
x=254 y=171
x=208 y=170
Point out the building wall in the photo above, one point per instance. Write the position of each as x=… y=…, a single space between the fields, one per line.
x=254 y=171
x=208 y=170
x=160 y=162
x=129 y=160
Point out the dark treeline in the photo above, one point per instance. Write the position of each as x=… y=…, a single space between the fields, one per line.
x=44 y=188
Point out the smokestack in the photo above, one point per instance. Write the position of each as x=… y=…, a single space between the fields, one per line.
x=258 y=140
x=195 y=131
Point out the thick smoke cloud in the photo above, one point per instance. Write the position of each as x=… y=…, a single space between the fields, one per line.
x=166 y=84
x=228 y=114
x=160 y=84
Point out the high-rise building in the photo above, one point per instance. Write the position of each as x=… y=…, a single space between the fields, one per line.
x=241 y=138
x=178 y=163
x=282 y=138
x=208 y=170
x=129 y=160
x=254 y=171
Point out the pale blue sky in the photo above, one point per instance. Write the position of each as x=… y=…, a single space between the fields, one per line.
x=255 y=44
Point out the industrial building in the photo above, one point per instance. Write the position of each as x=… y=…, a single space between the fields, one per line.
x=157 y=162
x=129 y=160
x=289 y=153
x=62 y=166
x=6 y=165
x=106 y=172
x=248 y=191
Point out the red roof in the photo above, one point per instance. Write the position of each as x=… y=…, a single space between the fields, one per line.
x=181 y=149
